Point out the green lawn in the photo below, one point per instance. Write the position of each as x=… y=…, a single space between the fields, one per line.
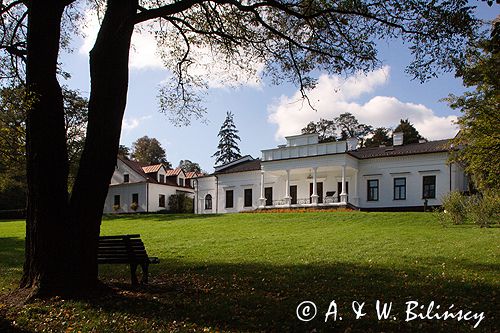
x=248 y=272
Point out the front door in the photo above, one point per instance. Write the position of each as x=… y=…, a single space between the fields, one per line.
x=268 y=194
x=293 y=194
x=339 y=189
x=319 y=190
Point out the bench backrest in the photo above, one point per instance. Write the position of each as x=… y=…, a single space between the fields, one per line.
x=121 y=249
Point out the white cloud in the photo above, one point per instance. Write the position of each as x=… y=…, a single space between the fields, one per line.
x=334 y=95
x=129 y=124
x=215 y=70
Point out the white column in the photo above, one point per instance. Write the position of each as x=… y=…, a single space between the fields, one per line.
x=262 y=199
x=314 y=196
x=343 y=194
x=287 y=188
x=355 y=198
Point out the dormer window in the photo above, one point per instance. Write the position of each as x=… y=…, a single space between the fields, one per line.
x=162 y=179
x=126 y=178
x=181 y=181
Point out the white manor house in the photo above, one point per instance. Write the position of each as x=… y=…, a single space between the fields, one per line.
x=306 y=173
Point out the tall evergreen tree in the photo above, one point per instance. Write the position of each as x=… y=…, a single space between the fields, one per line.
x=410 y=133
x=381 y=136
x=227 y=150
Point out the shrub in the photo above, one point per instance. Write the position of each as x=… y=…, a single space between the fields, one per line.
x=116 y=207
x=481 y=209
x=484 y=210
x=134 y=206
x=180 y=203
x=455 y=208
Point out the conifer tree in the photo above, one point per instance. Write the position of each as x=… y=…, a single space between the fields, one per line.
x=227 y=150
x=410 y=133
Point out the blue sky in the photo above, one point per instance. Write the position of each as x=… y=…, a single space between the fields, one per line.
x=265 y=113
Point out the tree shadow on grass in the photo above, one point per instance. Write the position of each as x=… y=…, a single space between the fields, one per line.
x=11 y=252
x=241 y=297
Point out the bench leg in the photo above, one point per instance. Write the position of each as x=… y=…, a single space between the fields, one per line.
x=133 y=276
x=144 y=279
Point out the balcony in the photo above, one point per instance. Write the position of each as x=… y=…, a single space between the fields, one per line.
x=308 y=150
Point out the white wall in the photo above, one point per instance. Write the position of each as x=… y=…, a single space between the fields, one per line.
x=149 y=194
x=413 y=168
x=125 y=192
x=122 y=169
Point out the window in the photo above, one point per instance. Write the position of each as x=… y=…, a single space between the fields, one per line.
x=229 y=199
x=429 y=187
x=135 y=198
x=399 y=188
x=248 y=197
x=162 y=178
x=373 y=190
x=161 y=200
x=117 y=200
x=208 y=201
x=181 y=181
x=126 y=178
x=268 y=194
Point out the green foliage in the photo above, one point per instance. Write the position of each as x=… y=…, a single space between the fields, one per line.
x=410 y=133
x=149 y=151
x=480 y=209
x=324 y=127
x=479 y=135
x=227 y=150
x=124 y=151
x=13 y=107
x=484 y=210
x=188 y=166
x=381 y=136
x=350 y=127
x=180 y=203
x=454 y=208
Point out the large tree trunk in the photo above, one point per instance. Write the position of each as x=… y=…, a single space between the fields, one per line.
x=47 y=265
x=109 y=83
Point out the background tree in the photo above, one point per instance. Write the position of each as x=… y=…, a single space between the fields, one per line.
x=228 y=149
x=188 y=166
x=13 y=107
x=293 y=39
x=479 y=135
x=324 y=127
x=381 y=136
x=410 y=133
x=350 y=127
x=124 y=151
x=149 y=151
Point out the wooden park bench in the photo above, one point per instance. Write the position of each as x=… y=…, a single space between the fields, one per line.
x=126 y=249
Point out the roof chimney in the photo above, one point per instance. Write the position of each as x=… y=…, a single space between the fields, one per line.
x=397 y=139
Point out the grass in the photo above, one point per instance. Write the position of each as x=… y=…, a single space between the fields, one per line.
x=248 y=272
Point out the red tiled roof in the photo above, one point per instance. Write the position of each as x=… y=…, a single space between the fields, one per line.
x=174 y=172
x=193 y=174
x=152 y=168
x=137 y=167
